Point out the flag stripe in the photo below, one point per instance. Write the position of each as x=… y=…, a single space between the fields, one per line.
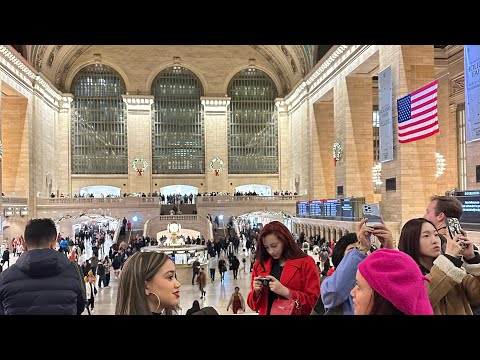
x=404 y=126
x=429 y=101
x=418 y=128
x=418 y=137
x=418 y=113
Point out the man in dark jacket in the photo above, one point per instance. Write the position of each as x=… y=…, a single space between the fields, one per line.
x=42 y=281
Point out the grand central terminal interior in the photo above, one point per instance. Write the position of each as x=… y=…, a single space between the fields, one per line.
x=202 y=141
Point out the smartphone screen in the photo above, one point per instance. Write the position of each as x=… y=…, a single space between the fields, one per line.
x=372 y=213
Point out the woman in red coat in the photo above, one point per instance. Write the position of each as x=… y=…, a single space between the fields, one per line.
x=292 y=274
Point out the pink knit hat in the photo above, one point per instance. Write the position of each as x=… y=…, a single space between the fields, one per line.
x=396 y=276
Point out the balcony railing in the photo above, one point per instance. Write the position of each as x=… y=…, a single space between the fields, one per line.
x=129 y=200
x=237 y=199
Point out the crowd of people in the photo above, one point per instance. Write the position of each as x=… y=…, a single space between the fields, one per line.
x=431 y=272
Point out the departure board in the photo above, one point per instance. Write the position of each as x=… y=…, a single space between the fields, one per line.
x=347 y=212
x=330 y=208
x=316 y=208
x=471 y=209
x=302 y=209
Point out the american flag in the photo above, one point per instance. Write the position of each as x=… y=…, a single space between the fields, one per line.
x=417 y=114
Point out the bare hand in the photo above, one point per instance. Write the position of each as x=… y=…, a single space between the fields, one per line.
x=454 y=248
x=277 y=287
x=384 y=235
x=257 y=284
x=361 y=229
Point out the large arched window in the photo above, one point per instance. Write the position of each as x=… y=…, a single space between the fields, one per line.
x=253 y=125
x=99 y=128
x=177 y=126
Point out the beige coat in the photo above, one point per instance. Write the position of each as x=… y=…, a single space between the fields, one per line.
x=452 y=289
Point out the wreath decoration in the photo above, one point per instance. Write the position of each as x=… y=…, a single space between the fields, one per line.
x=216 y=169
x=337 y=152
x=142 y=169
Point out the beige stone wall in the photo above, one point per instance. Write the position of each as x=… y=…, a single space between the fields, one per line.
x=473 y=160
x=446 y=139
x=139 y=139
x=414 y=163
x=301 y=156
x=323 y=179
x=216 y=146
x=43 y=139
x=286 y=180
x=63 y=150
x=15 y=170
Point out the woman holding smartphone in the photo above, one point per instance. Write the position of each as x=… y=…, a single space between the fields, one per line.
x=291 y=273
x=455 y=275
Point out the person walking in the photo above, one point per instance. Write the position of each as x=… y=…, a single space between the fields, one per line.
x=236 y=301
x=202 y=281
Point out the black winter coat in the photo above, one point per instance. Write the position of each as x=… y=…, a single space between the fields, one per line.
x=41 y=282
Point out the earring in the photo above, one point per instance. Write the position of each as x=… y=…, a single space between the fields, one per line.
x=158 y=299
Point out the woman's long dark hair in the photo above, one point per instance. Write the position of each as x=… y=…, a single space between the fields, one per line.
x=382 y=306
x=409 y=241
x=291 y=250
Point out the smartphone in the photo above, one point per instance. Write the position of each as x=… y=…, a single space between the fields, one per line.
x=372 y=213
x=454 y=228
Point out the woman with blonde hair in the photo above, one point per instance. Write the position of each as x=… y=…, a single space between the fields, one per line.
x=148 y=285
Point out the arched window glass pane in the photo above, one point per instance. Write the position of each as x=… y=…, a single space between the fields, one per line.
x=99 y=128
x=253 y=124
x=177 y=124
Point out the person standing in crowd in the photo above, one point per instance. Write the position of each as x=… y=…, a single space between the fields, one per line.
x=346 y=255
x=202 y=281
x=389 y=282
x=222 y=267
x=42 y=281
x=6 y=257
x=212 y=265
x=236 y=301
x=455 y=275
x=148 y=285
x=195 y=269
x=292 y=274
x=91 y=291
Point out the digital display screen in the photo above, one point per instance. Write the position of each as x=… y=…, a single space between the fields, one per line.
x=330 y=208
x=346 y=208
x=302 y=208
x=471 y=209
x=316 y=208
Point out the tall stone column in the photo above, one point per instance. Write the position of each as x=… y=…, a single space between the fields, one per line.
x=447 y=147
x=414 y=164
x=322 y=168
x=63 y=149
x=354 y=131
x=139 y=138
x=285 y=164
x=216 y=142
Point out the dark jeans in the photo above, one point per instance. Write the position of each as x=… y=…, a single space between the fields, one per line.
x=212 y=274
x=102 y=279
x=193 y=277
x=107 y=279
x=235 y=273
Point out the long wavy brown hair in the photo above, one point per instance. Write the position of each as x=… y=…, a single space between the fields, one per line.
x=291 y=250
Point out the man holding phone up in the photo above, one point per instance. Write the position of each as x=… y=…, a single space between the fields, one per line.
x=439 y=209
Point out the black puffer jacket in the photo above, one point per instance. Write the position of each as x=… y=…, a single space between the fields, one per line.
x=41 y=282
